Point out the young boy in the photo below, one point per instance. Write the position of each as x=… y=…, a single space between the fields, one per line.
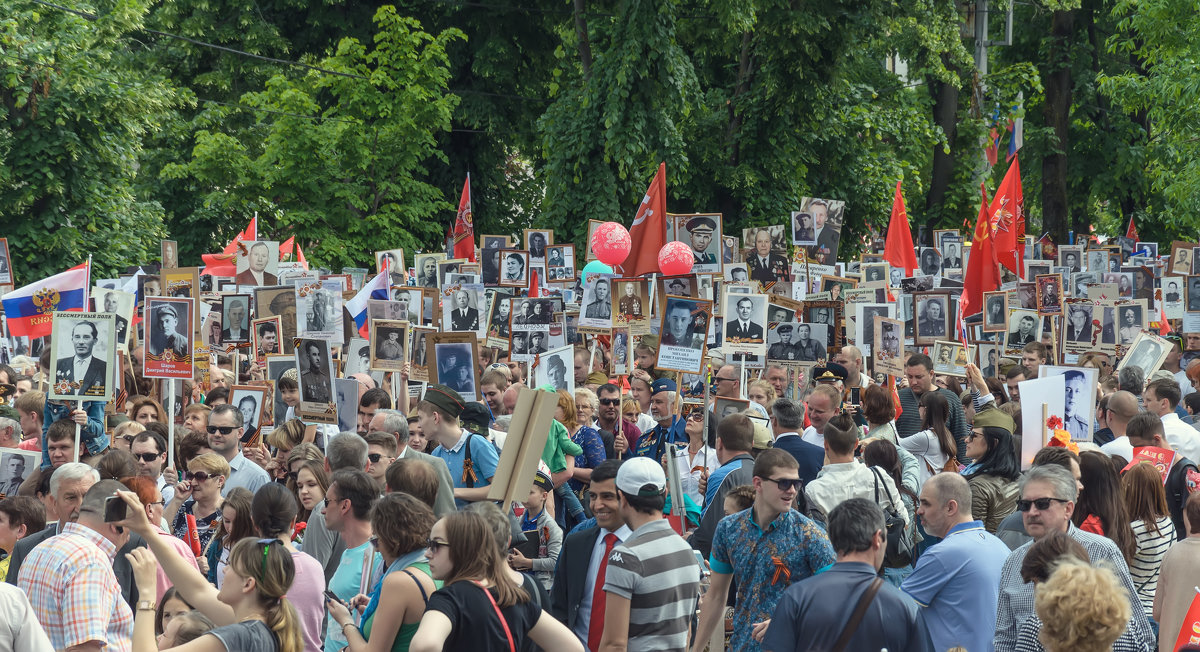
x=542 y=535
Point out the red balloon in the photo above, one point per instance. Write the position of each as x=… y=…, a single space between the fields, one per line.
x=611 y=243
x=675 y=259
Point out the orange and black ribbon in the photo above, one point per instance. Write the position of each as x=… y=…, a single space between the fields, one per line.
x=781 y=570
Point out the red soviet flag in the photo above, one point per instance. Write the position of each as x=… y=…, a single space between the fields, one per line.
x=982 y=273
x=1006 y=214
x=464 y=225
x=898 y=249
x=649 y=231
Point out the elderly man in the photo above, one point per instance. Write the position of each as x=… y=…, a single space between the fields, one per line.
x=955 y=582
x=464 y=317
x=1048 y=495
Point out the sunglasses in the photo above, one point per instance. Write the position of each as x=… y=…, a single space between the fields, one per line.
x=375 y=457
x=224 y=430
x=434 y=544
x=198 y=476
x=1040 y=503
x=696 y=415
x=128 y=438
x=786 y=484
x=611 y=402
x=147 y=457
x=717 y=379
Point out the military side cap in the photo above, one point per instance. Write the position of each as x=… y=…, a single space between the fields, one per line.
x=784 y=328
x=597 y=377
x=993 y=418
x=831 y=372
x=445 y=399
x=701 y=223
x=662 y=385
x=475 y=417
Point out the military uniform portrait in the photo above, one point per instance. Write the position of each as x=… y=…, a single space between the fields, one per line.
x=597 y=308
x=1049 y=294
x=632 y=302
x=950 y=359
x=316 y=372
x=765 y=255
x=803 y=234
x=389 y=342
x=703 y=234
x=933 y=318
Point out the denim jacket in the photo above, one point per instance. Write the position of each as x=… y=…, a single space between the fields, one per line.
x=94 y=437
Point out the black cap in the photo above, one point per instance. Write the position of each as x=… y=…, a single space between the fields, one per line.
x=701 y=222
x=829 y=373
x=475 y=417
x=445 y=399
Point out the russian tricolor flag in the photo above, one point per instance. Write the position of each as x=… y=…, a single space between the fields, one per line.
x=376 y=288
x=29 y=310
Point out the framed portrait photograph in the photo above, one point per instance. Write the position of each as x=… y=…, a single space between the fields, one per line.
x=489 y=259
x=876 y=274
x=391 y=261
x=1049 y=294
x=265 y=336
x=1123 y=281
x=560 y=263
x=122 y=305
x=1131 y=319
x=84 y=353
x=168 y=324
x=461 y=309
x=683 y=330
x=1071 y=256
x=930 y=261
x=406 y=304
x=828 y=216
x=448 y=268
x=346 y=403
x=6 y=274
x=1193 y=293
x=235 y=318
x=951 y=358
x=319 y=311
x=766 y=254
x=1096 y=260
x=250 y=401
x=357 y=358
x=1082 y=327
x=633 y=304
x=536 y=241
x=952 y=257
x=888 y=355
x=724 y=406
x=389 y=343
x=1147 y=352
x=556 y=368
x=453 y=356
x=1147 y=249
x=427 y=269
x=745 y=324
x=988 y=358
x=498 y=318
x=380 y=309
x=258 y=263
x=514 y=268
x=1080 y=282
x=864 y=323
x=731 y=249
x=803 y=233
x=16 y=466
x=836 y=286
x=795 y=341
x=168 y=253
x=736 y=273
x=822 y=312
x=622 y=352
x=1078 y=413
x=701 y=232
x=596 y=311
x=420 y=349
x=995 y=311
x=277 y=365
x=1024 y=327
x=278 y=302
x=932 y=312
x=316 y=375
x=1181 y=258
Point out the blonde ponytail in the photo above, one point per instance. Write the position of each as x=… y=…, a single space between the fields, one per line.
x=285 y=622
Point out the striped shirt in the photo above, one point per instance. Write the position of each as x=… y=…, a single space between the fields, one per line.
x=75 y=595
x=657 y=572
x=1151 y=548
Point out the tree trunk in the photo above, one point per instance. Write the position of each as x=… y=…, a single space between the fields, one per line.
x=581 y=33
x=1056 y=79
x=743 y=87
x=945 y=115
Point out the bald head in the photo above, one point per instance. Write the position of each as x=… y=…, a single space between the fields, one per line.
x=1122 y=406
x=510 y=398
x=952 y=486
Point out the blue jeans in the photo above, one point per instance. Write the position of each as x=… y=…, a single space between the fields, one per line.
x=895 y=576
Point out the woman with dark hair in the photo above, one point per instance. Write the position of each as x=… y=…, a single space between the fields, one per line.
x=884 y=455
x=1146 y=502
x=934 y=444
x=880 y=413
x=480 y=607
x=397 y=602
x=273 y=513
x=993 y=474
x=1100 y=508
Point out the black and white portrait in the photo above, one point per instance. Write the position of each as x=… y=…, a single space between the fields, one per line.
x=536 y=242
x=169 y=254
x=1023 y=327
x=803 y=233
x=248 y=401
x=995 y=311
x=84 y=345
x=1080 y=283
x=169 y=327
x=745 y=323
x=389 y=340
x=684 y=331
x=319 y=311
x=1080 y=385
x=766 y=254
x=346 y=391
x=1079 y=327
x=950 y=359
x=447 y=269
x=596 y=308
x=1123 y=281
x=427 y=269
x=316 y=374
x=456 y=368
x=1097 y=261
x=952 y=255
x=864 y=321
x=828 y=216
x=1049 y=294
x=557 y=368
x=514 y=268
x=235 y=319
x=1071 y=256
x=560 y=262
x=120 y=304
x=888 y=354
x=875 y=273
x=794 y=341
x=1147 y=352
x=259 y=264
x=277 y=365
x=933 y=317
x=278 y=302
x=930 y=261
x=460 y=310
x=391 y=262
x=1132 y=320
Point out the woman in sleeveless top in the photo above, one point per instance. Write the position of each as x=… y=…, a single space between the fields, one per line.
x=397 y=602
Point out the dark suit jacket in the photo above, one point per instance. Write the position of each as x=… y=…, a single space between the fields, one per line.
x=121 y=567
x=810 y=456
x=226 y=336
x=94 y=377
x=247 y=278
x=829 y=240
x=753 y=331
x=570 y=575
x=122 y=325
x=469 y=322
x=776 y=269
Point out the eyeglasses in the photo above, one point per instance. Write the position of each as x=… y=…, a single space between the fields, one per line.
x=266 y=544
x=696 y=415
x=224 y=430
x=434 y=544
x=147 y=457
x=786 y=484
x=375 y=457
x=128 y=438
x=1040 y=503
x=718 y=379
x=611 y=402
x=374 y=541
x=972 y=435
x=198 y=476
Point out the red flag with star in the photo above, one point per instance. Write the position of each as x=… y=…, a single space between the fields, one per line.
x=464 y=225
x=898 y=248
x=982 y=274
x=1006 y=216
x=649 y=229
x=1131 y=230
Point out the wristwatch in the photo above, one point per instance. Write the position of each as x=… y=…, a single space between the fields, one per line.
x=146 y=605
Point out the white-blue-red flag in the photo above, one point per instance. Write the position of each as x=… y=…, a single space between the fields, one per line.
x=29 y=310
x=376 y=288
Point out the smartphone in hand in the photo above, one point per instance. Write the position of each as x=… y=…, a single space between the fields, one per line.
x=115 y=509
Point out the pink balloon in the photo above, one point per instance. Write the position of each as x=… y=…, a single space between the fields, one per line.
x=611 y=243
x=675 y=259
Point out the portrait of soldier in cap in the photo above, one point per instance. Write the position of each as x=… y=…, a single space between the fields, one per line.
x=704 y=237
x=783 y=349
x=168 y=330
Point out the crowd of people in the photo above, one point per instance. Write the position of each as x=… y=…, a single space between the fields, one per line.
x=804 y=506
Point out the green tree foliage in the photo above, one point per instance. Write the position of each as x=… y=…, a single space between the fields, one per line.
x=349 y=178
x=75 y=106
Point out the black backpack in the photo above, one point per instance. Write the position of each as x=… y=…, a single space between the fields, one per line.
x=899 y=540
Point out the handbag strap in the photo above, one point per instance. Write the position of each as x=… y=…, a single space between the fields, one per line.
x=503 y=623
x=857 y=616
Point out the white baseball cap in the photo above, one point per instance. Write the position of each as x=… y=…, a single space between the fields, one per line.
x=641 y=476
